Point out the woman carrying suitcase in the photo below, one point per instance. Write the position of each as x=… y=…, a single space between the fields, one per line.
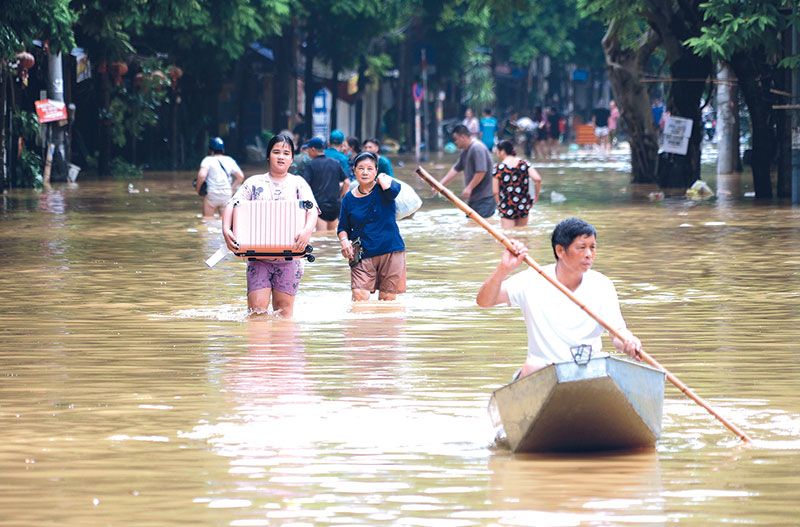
x=369 y=234
x=274 y=279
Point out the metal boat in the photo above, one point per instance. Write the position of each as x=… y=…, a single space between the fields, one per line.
x=603 y=403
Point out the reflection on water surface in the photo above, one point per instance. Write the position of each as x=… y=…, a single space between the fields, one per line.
x=135 y=391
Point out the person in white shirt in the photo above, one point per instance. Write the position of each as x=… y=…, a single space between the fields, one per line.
x=222 y=177
x=554 y=322
x=471 y=122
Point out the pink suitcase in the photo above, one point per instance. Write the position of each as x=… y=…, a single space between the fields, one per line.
x=267 y=228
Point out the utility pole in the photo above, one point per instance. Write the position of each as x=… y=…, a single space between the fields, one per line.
x=795 y=114
x=425 y=131
x=56 y=93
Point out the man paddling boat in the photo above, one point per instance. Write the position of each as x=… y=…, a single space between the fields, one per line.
x=556 y=325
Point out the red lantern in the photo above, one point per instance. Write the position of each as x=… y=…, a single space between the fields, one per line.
x=175 y=73
x=138 y=79
x=25 y=62
x=118 y=70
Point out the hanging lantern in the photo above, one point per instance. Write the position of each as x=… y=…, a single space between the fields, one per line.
x=159 y=80
x=102 y=67
x=25 y=62
x=138 y=79
x=118 y=70
x=175 y=73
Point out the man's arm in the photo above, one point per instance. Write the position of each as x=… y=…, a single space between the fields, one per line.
x=492 y=292
x=201 y=177
x=308 y=173
x=238 y=179
x=534 y=176
x=477 y=178
x=452 y=173
x=344 y=183
x=631 y=346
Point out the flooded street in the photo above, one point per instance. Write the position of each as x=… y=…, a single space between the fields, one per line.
x=134 y=390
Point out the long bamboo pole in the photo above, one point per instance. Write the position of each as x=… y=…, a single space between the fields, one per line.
x=433 y=182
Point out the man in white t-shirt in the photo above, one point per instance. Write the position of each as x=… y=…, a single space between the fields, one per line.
x=222 y=177
x=554 y=322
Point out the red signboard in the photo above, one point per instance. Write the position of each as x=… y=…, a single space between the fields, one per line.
x=49 y=111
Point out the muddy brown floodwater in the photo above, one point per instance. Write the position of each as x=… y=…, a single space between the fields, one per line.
x=134 y=390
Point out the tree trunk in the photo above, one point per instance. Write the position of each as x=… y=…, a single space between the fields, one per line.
x=104 y=123
x=405 y=112
x=284 y=66
x=308 y=86
x=3 y=122
x=379 y=112
x=783 y=121
x=674 y=24
x=235 y=143
x=362 y=84
x=684 y=101
x=173 y=129
x=754 y=80
x=727 y=129
x=334 y=87
x=624 y=67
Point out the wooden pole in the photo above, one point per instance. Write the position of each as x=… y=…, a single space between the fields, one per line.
x=433 y=182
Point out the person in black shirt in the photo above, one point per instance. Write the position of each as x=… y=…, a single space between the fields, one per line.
x=327 y=179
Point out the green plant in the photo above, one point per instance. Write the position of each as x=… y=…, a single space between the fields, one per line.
x=28 y=169
x=121 y=169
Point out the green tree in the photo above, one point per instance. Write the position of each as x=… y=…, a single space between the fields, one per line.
x=347 y=35
x=669 y=24
x=750 y=37
x=205 y=38
x=21 y=23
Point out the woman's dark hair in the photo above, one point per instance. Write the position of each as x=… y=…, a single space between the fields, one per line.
x=365 y=155
x=355 y=144
x=373 y=141
x=569 y=229
x=280 y=138
x=506 y=146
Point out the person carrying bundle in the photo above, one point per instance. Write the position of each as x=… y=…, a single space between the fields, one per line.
x=369 y=233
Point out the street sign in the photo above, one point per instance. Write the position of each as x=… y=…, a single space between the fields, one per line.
x=417 y=92
x=48 y=111
x=321 y=118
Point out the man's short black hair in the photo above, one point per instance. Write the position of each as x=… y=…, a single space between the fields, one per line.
x=460 y=129
x=569 y=229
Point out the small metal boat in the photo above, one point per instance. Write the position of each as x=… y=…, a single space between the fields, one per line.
x=602 y=403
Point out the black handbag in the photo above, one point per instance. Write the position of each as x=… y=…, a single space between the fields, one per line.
x=203 y=187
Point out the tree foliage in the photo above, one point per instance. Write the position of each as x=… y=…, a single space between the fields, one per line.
x=22 y=21
x=731 y=25
x=530 y=28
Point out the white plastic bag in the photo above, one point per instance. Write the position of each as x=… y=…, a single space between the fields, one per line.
x=407 y=201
